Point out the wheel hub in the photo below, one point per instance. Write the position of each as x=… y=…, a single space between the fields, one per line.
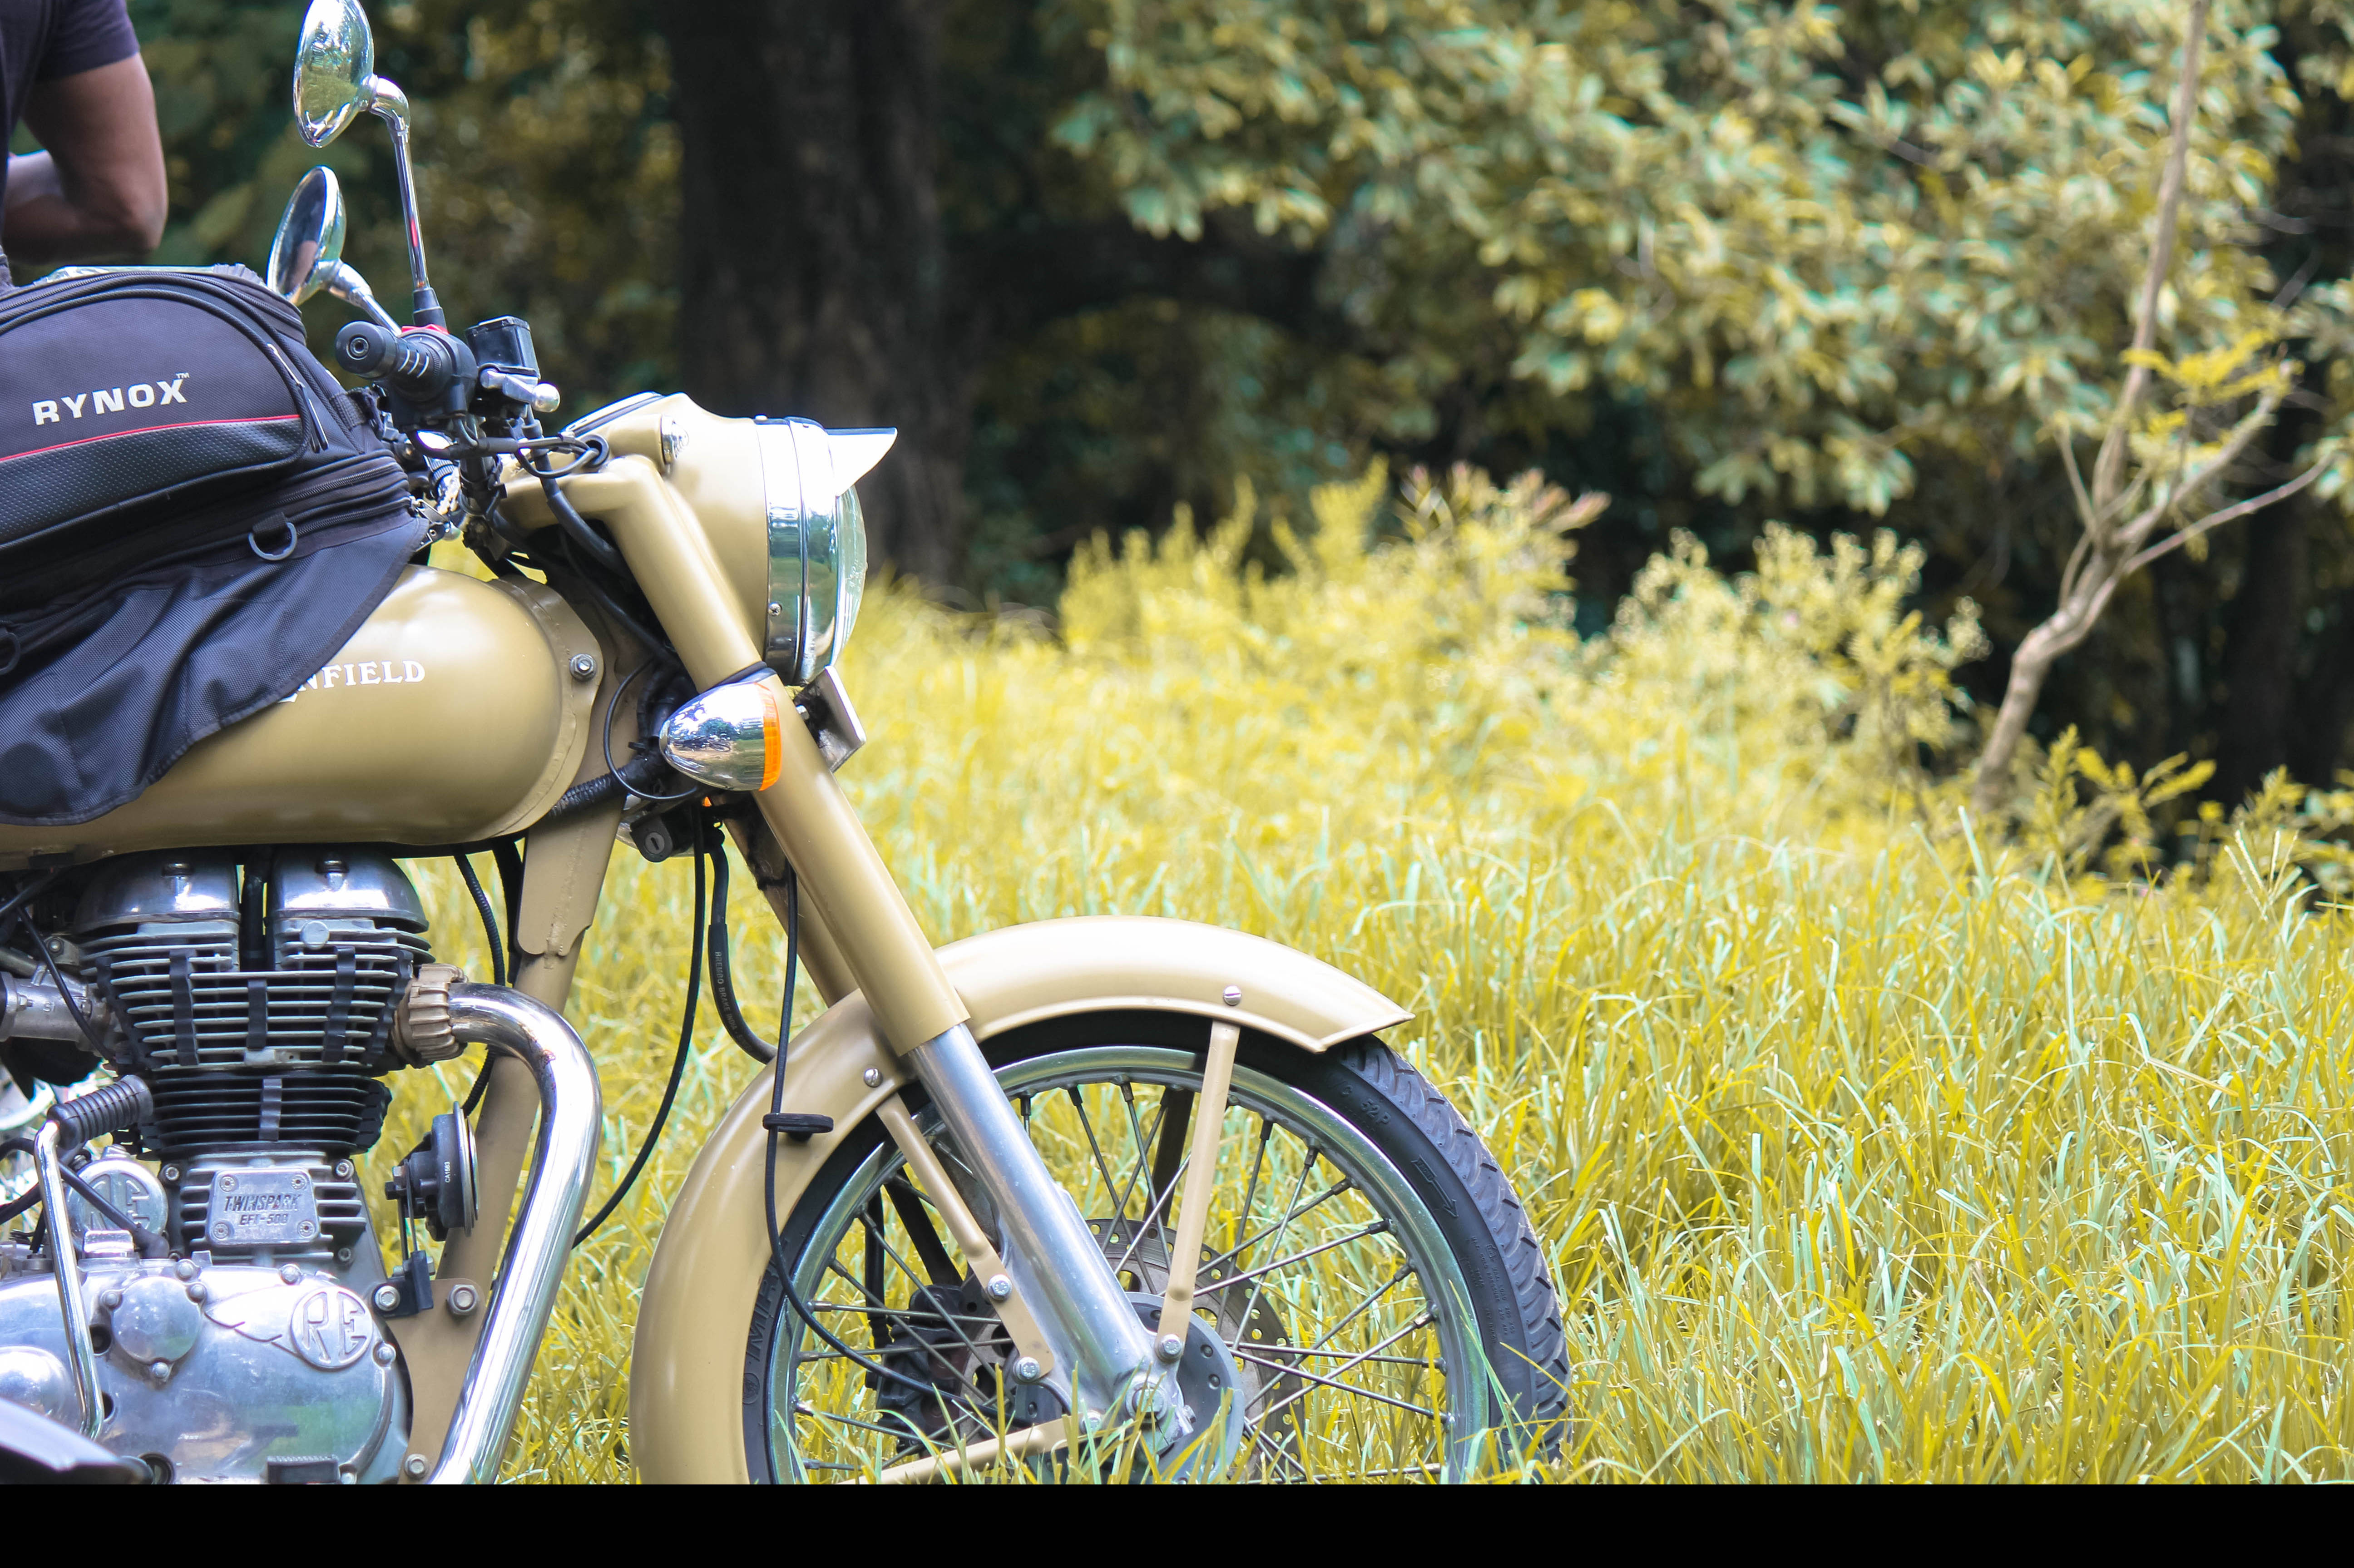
x=1233 y=1315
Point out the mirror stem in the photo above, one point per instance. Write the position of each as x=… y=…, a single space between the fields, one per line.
x=392 y=104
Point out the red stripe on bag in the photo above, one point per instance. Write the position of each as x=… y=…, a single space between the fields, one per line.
x=151 y=429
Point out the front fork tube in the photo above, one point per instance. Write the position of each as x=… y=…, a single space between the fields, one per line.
x=1056 y=1265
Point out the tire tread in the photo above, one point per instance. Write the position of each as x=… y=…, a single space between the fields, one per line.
x=1500 y=1210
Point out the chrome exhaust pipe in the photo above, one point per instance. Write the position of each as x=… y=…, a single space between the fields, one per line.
x=572 y=1117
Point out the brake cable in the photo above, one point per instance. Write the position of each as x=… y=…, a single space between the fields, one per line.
x=723 y=984
x=490 y=921
x=491 y=935
x=774 y=1122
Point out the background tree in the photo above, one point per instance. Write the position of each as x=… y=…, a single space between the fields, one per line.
x=1728 y=260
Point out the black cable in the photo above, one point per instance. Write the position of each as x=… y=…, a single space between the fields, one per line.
x=147 y=1240
x=610 y=602
x=607 y=740
x=481 y=1081
x=498 y=964
x=577 y=533
x=64 y=992
x=677 y=1062
x=589 y=457
x=509 y=861
x=491 y=933
x=23 y=895
x=723 y=984
x=776 y=1232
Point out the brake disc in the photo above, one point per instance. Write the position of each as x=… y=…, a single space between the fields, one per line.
x=1244 y=1319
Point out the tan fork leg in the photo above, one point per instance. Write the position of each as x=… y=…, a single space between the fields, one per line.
x=1201 y=1181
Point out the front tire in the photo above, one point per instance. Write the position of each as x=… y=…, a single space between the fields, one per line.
x=1369 y=1268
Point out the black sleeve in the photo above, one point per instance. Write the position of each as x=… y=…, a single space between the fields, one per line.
x=87 y=34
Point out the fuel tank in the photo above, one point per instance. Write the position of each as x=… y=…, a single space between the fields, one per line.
x=456 y=712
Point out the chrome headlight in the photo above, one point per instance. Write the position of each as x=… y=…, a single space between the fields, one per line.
x=817 y=539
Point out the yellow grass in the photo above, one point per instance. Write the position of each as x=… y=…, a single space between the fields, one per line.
x=1864 y=1144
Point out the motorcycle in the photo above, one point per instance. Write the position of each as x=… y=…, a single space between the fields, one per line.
x=1115 y=1196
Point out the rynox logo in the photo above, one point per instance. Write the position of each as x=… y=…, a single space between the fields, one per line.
x=110 y=400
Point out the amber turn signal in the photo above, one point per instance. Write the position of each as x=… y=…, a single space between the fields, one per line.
x=730 y=738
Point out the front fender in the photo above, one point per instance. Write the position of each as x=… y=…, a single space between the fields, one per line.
x=686 y=1371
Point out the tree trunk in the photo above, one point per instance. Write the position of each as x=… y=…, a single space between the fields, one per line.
x=2326 y=700
x=812 y=265
x=2260 y=657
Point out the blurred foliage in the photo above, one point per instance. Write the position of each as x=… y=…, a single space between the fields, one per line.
x=1725 y=259
x=1823 y=238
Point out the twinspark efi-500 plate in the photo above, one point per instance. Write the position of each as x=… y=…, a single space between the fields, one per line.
x=268 y=1207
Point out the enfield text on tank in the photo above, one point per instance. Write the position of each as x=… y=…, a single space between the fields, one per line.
x=1115 y=1196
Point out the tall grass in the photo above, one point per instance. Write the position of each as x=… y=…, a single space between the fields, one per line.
x=1865 y=1141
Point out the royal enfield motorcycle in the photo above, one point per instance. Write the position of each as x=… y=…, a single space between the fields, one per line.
x=1133 y=1198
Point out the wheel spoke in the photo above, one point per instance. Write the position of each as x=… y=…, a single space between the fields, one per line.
x=1307 y=1168
x=1250 y=1190
x=896 y=1434
x=1128 y=1099
x=896 y=1313
x=928 y=1354
x=1325 y=1286
x=1332 y=1380
x=1276 y=1230
x=1405 y=1272
x=1148 y=1225
x=1253 y=1353
x=1379 y=1228
x=1087 y=1126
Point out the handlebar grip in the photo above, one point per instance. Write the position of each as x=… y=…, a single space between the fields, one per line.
x=419 y=365
x=364 y=349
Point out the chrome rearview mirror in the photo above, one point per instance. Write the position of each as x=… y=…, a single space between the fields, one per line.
x=335 y=69
x=335 y=79
x=308 y=253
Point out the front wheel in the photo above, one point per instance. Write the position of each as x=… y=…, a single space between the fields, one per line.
x=1382 y=1301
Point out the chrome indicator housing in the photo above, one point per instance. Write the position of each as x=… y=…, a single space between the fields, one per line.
x=728 y=737
x=817 y=539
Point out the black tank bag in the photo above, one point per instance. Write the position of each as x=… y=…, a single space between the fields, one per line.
x=194 y=518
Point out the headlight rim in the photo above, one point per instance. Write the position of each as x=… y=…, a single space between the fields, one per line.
x=808 y=521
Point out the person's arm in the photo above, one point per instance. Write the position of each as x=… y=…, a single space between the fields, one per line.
x=97 y=190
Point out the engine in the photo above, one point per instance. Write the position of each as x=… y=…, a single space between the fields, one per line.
x=258 y=1001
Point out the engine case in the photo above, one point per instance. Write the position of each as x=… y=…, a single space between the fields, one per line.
x=226 y=1372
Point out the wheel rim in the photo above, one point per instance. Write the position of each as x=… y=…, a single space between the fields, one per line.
x=1326 y=1276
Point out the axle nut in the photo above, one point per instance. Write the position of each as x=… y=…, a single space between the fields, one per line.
x=421 y=1034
